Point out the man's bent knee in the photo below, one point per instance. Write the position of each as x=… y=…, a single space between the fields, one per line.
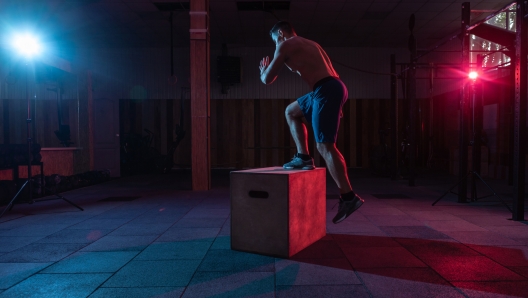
x=325 y=147
x=293 y=110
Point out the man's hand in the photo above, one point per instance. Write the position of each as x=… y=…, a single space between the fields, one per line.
x=264 y=63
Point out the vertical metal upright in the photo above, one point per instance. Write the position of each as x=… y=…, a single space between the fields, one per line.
x=519 y=113
x=511 y=104
x=29 y=140
x=5 y=122
x=476 y=126
x=413 y=107
x=394 y=119
x=464 y=102
x=429 y=157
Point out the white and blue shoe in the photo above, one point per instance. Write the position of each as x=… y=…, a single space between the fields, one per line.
x=299 y=163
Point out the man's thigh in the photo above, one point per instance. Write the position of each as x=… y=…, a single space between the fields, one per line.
x=303 y=106
x=325 y=120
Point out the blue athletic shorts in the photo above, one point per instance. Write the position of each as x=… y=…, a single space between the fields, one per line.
x=323 y=107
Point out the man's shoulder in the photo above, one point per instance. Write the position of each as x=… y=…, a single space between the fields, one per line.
x=295 y=42
x=303 y=42
x=298 y=39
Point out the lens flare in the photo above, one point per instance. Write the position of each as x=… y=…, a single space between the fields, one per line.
x=473 y=75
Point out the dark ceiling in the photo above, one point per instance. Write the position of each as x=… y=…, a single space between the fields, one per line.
x=145 y=23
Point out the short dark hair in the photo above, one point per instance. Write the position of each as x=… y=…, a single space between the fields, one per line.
x=284 y=26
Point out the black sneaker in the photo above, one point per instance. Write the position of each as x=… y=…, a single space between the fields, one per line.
x=299 y=163
x=346 y=208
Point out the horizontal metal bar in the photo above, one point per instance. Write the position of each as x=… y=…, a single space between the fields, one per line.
x=454 y=78
x=443 y=51
x=439 y=64
x=271 y=148
x=457 y=34
x=482 y=10
x=507 y=7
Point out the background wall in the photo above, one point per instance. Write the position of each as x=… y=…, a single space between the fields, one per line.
x=247 y=124
x=44 y=103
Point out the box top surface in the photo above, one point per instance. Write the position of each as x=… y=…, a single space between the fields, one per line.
x=276 y=171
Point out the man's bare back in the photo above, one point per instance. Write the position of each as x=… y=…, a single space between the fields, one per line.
x=300 y=55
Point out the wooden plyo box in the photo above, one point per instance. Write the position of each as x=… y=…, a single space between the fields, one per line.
x=277 y=212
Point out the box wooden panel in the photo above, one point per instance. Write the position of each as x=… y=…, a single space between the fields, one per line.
x=277 y=212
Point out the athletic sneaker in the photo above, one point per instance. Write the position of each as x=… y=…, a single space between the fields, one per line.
x=346 y=208
x=299 y=163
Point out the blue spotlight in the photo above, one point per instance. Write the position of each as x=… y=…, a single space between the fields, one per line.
x=27 y=45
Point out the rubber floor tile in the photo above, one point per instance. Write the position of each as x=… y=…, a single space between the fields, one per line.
x=121 y=243
x=452 y=225
x=470 y=268
x=222 y=242
x=406 y=282
x=334 y=291
x=189 y=234
x=341 y=263
x=433 y=249
x=173 y=273
x=320 y=250
x=494 y=288
x=231 y=284
x=365 y=241
x=135 y=229
x=158 y=292
x=417 y=232
x=303 y=273
x=11 y=243
x=13 y=273
x=57 y=285
x=431 y=215
x=394 y=220
x=481 y=238
x=505 y=255
x=92 y=262
x=75 y=236
x=380 y=257
x=41 y=252
x=349 y=227
x=520 y=270
x=186 y=250
x=200 y=223
x=236 y=261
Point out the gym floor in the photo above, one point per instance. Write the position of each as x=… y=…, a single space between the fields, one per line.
x=150 y=236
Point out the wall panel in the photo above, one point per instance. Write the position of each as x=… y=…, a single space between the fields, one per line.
x=247 y=124
x=290 y=85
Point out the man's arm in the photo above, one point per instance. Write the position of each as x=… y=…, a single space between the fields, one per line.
x=270 y=70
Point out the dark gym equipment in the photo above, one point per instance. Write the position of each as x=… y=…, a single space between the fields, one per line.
x=29 y=180
x=475 y=143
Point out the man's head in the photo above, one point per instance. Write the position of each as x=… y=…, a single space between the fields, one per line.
x=281 y=31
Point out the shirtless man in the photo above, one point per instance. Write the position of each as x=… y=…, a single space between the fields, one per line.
x=322 y=107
